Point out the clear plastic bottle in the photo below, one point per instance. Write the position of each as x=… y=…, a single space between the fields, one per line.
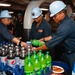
x=3 y=56
x=22 y=58
x=17 y=57
x=3 y=59
x=11 y=59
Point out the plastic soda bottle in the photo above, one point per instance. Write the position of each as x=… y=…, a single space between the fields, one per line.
x=43 y=63
x=48 y=59
x=11 y=59
x=26 y=59
x=29 y=68
x=17 y=55
x=48 y=62
x=22 y=58
x=39 y=54
x=37 y=66
x=3 y=56
x=33 y=56
x=29 y=46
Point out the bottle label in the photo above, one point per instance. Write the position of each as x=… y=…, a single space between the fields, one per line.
x=4 y=60
x=17 y=60
x=21 y=63
x=11 y=62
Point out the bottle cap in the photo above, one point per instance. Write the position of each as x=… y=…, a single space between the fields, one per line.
x=28 y=42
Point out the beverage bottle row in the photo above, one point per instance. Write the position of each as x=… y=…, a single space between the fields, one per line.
x=12 y=54
x=37 y=63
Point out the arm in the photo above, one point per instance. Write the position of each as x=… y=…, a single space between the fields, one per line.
x=58 y=37
x=43 y=47
x=7 y=35
x=46 y=38
x=17 y=41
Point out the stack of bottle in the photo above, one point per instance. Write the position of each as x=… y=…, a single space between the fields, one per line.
x=37 y=63
x=17 y=60
x=12 y=58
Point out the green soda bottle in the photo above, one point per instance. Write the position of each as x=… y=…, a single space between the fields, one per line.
x=39 y=54
x=48 y=62
x=43 y=63
x=26 y=59
x=37 y=66
x=48 y=59
x=34 y=42
x=29 y=68
x=33 y=56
